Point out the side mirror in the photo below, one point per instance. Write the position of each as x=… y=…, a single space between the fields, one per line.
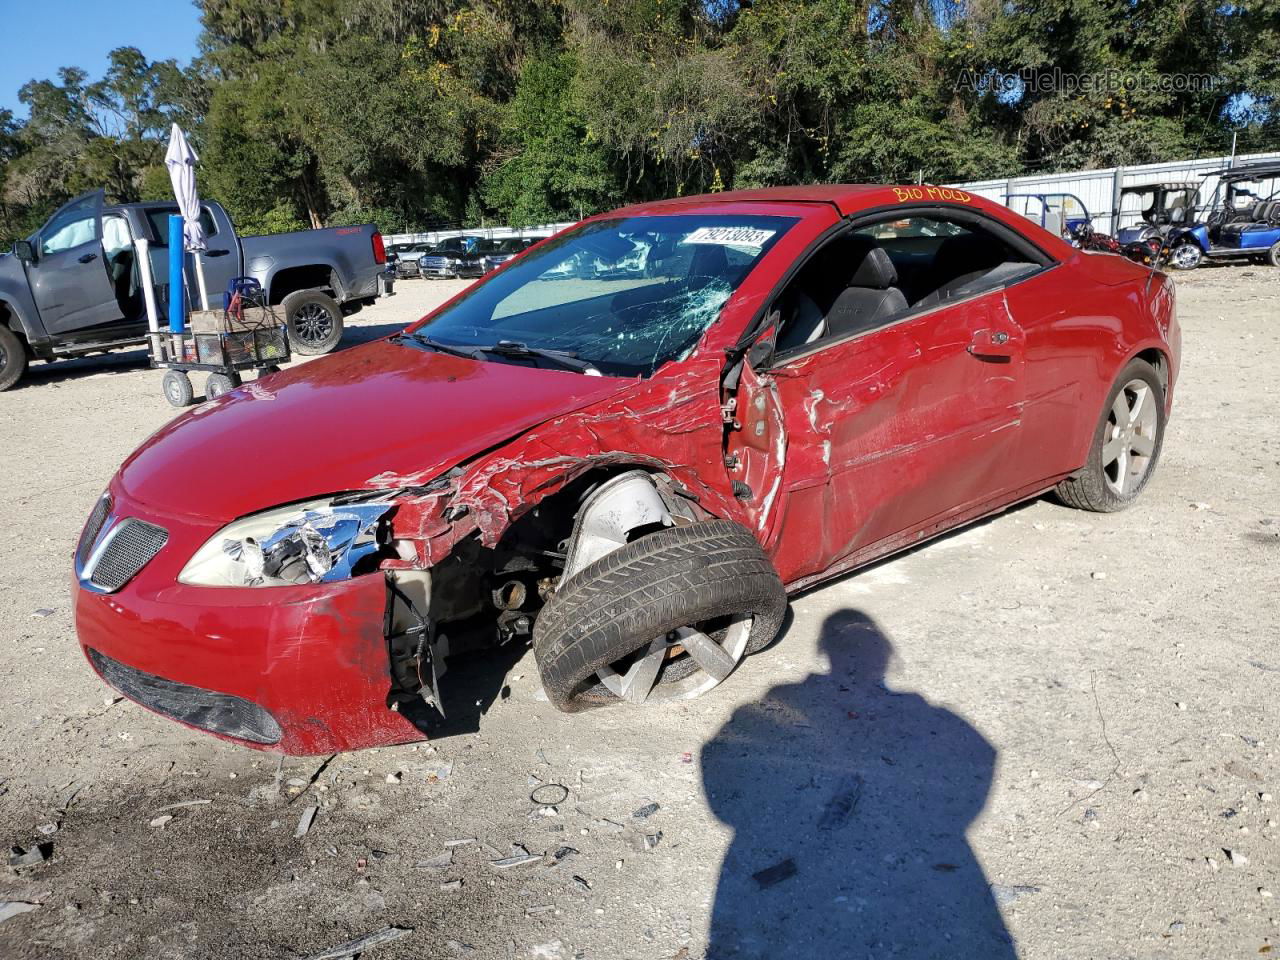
x=24 y=251
x=760 y=354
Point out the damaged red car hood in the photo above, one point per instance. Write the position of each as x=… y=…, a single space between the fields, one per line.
x=377 y=416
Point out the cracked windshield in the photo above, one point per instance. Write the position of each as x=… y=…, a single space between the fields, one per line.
x=616 y=297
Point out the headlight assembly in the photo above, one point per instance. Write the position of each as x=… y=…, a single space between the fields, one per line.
x=314 y=542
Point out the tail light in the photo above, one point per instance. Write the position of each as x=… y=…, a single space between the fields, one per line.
x=379 y=250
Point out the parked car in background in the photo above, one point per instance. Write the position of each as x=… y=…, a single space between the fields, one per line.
x=508 y=249
x=447 y=256
x=405 y=256
x=630 y=469
x=73 y=287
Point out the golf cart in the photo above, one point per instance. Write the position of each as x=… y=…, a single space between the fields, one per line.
x=1246 y=214
x=1066 y=215
x=1167 y=212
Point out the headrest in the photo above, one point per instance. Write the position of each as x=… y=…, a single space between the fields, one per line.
x=875 y=271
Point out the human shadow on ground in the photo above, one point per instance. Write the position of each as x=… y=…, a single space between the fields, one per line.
x=849 y=803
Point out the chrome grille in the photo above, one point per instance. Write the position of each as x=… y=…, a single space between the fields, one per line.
x=93 y=527
x=125 y=549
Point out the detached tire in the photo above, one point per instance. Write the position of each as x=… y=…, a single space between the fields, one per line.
x=314 y=321
x=1126 y=444
x=13 y=358
x=680 y=577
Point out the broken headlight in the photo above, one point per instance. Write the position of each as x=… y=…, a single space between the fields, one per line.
x=314 y=542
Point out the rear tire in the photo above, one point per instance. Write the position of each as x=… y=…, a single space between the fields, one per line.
x=1126 y=444
x=314 y=321
x=13 y=358
x=1273 y=256
x=218 y=384
x=651 y=588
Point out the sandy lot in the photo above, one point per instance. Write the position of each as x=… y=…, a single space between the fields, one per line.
x=1050 y=735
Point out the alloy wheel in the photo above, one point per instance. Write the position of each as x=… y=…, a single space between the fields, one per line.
x=312 y=323
x=681 y=665
x=1129 y=441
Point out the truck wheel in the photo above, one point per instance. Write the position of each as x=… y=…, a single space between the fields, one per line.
x=1126 y=444
x=666 y=617
x=1186 y=256
x=13 y=358
x=314 y=320
x=218 y=384
x=177 y=388
x=1273 y=258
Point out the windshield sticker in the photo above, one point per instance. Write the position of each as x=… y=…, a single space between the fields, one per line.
x=751 y=237
x=930 y=193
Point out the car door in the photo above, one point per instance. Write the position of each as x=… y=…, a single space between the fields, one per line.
x=881 y=437
x=69 y=277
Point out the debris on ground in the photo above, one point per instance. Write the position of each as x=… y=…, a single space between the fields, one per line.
x=1004 y=894
x=842 y=804
x=460 y=842
x=440 y=862
x=11 y=908
x=21 y=857
x=42 y=613
x=394 y=777
x=647 y=811
x=161 y=820
x=304 y=822
x=547 y=951
x=549 y=794
x=776 y=874
x=1238 y=769
x=652 y=840
x=1237 y=858
x=451 y=886
x=506 y=863
x=361 y=944
x=183 y=805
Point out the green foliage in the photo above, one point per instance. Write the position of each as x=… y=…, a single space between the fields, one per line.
x=415 y=112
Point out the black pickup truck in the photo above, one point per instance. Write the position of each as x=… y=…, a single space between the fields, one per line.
x=74 y=288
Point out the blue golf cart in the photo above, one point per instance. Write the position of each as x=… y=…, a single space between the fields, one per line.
x=1167 y=212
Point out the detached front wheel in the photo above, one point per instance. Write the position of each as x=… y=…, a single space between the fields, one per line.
x=314 y=320
x=667 y=617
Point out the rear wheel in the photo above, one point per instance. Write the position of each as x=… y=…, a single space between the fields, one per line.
x=218 y=384
x=667 y=617
x=1186 y=256
x=13 y=358
x=314 y=320
x=1126 y=444
x=1273 y=255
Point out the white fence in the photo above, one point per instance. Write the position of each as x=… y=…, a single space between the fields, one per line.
x=1100 y=189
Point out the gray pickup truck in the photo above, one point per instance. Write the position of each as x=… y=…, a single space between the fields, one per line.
x=74 y=288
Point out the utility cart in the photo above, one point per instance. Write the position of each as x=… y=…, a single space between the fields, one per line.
x=246 y=334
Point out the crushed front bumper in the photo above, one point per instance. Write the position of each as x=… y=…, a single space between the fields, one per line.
x=301 y=670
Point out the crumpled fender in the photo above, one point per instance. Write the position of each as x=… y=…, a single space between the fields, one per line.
x=674 y=418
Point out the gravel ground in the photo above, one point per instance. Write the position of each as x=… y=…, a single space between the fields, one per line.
x=1049 y=735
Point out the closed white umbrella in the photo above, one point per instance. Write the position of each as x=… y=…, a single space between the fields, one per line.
x=181 y=161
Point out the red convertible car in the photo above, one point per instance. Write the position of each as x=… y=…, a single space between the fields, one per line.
x=626 y=446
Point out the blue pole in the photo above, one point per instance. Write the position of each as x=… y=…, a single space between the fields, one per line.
x=177 y=300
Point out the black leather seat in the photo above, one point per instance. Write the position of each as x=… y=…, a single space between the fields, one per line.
x=870 y=298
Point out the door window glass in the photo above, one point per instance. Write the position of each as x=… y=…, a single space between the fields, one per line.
x=872 y=276
x=158 y=217
x=72 y=226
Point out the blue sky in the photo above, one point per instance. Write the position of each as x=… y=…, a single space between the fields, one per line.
x=40 y=36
